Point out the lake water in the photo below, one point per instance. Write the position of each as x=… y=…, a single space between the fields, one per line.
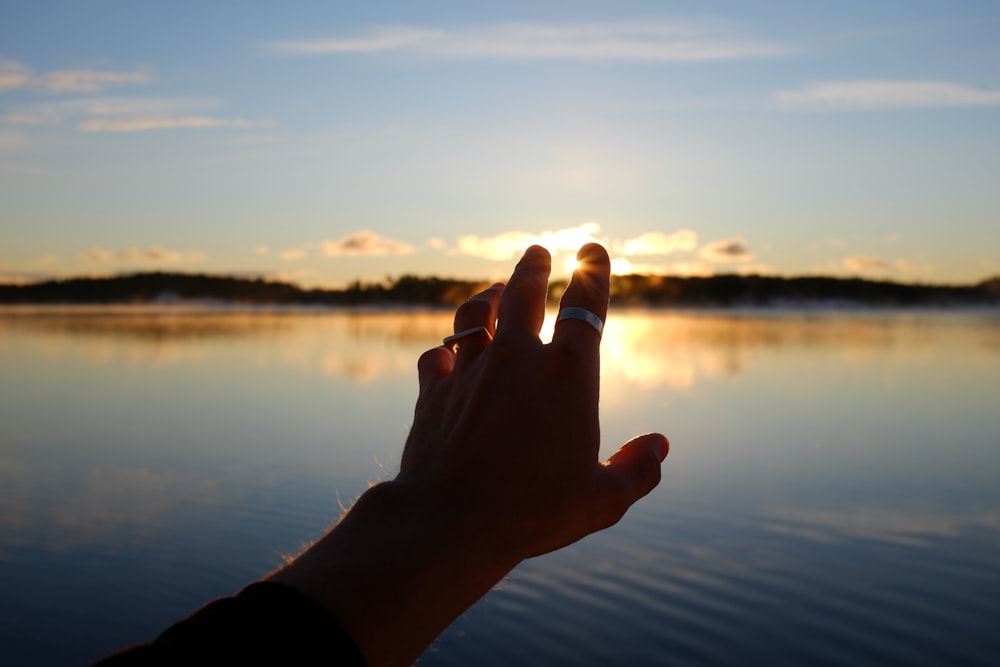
x=832 y=495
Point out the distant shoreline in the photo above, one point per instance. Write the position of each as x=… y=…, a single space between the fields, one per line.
x=193 y=291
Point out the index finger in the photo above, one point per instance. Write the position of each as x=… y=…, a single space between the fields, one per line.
x=588 y=290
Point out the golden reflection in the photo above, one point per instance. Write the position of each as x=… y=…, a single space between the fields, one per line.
x=362 y=346
x=642 y=349
x=651 y=349
x=365 y=369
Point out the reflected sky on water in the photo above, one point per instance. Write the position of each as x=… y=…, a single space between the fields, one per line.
x=830 y=496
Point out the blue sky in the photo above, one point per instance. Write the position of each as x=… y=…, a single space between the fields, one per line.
x=325 y=142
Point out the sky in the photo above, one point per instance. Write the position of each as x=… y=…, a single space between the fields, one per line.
x=326 y=142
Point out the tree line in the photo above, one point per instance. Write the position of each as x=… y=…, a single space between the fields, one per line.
x=631 y=290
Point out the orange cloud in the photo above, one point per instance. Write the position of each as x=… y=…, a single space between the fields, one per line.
x=99 y=255
x=13 y=74
x=142 y=123
x=17 y=75
x=89 y=81
x=726 y=251
x=865 y=264
x=510 y=245
x=151 y=254
x=122 y=114
x=658 y=243
x=367 y=243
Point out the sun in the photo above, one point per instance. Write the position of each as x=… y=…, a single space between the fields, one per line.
x=620 y=266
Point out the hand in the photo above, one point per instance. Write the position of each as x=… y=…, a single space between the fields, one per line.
x=507 y=430
x=500 y=465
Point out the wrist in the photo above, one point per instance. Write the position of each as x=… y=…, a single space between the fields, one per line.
x=403 y=558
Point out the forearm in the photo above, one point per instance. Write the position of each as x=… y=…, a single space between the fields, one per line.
x=398 y=568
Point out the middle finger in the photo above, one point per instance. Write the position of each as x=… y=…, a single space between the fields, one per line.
x=522 y=306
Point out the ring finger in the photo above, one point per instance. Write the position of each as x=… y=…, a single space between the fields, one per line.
x=475 y=324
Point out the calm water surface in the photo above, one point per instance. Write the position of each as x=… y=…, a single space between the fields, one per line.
x=831 y=496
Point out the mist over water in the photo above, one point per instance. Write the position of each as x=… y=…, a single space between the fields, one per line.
x=830 y=496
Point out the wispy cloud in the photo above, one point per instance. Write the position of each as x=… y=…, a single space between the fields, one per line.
x=870 y=264
x=881 y=94
x=379 y=40
x=865 y=264
x=726 y=251
x=623 y=266
x=510 y=245
x=89 y=81
x=658 y=243
x=682 y=244
x=14 y=75
x=365 y=242
x=18 y=75
x=22 y=277
x=648 y=41
x=142 y=123
x=155 y=254
x=127 y=114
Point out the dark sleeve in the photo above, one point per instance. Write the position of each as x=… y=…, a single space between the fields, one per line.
x=266 y=623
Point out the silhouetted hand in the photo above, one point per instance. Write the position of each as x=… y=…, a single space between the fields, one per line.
x=500 y=465
x=507 y=430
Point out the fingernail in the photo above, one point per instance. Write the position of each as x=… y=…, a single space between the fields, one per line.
x=535 y=251
x=661 y=446
x=590 y=251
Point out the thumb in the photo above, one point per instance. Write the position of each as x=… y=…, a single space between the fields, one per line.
x=631 y=473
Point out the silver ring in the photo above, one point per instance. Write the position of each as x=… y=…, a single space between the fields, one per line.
x=574 y=313
x=452 y=340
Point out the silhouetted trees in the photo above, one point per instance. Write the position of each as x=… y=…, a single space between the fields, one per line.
x=171 y=287
x=633 y=290
x=756 y=290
